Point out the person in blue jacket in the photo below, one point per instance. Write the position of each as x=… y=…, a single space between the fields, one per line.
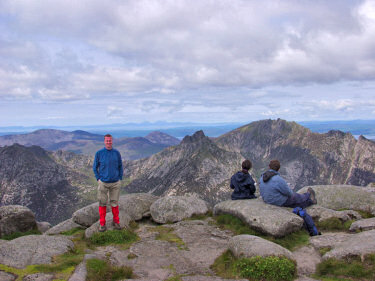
x=274 y=190
x=108 y=172
x=242 y=183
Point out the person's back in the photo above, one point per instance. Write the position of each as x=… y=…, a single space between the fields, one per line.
x=242 y=183
x=273 y=188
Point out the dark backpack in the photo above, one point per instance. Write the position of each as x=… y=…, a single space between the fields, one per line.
x=308 y=221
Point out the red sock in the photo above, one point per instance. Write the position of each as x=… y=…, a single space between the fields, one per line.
x=102 y=213
x=115 y=212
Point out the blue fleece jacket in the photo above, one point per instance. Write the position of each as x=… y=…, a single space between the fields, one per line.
x=274 y=190
x=108 y=165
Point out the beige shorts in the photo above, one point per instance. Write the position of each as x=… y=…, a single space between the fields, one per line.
x=112 y=189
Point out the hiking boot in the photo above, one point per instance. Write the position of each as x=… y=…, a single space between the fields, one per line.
x=312 y=195
x=102 y=228
x=116 y=226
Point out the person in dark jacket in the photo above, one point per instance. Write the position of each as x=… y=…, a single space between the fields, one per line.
x=274 y=190
x=242 y=183
x=108 y=172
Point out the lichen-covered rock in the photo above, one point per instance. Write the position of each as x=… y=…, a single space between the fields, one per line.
x=328 y=240
x=124 y=222
x=363 y=225
x=358 y=245
x=16 y=218
x=6 y=276
x=320 y=213
x=307 y=259
x=338 y=197
x=33 y=249
x=266 y=218
x=88 y=215
x=177 y=208
x=63 y=226
x=248 y=246
x=137 y=205
x=43 y=226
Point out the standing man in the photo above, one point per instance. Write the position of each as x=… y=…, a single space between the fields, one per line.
x=274 y=190
x=108 y=172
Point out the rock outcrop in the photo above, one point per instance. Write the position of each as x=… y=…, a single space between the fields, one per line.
x=363 y=225
x=248 y=246
x=266 y=218
x=16 y=218
x=33 y=249
x=339 y=197
x=177 y=208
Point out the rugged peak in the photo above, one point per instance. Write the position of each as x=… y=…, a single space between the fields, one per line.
x=162 y=138
x=198 y=136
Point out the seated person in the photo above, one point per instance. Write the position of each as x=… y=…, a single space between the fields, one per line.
x=274 y=190
x=242 y=183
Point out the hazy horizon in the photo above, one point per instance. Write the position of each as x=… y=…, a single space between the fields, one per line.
x=95 y=62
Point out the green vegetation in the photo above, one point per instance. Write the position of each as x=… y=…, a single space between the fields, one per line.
x=291 y=241
x=19 y=234
x=124 y=236
x=166 y=234
x=200 y=216
x=72 y=231
x=334 y=224
x=254 y=268
x=350 y=269
x=99 y=270
x=324 y=250
x=365 y=215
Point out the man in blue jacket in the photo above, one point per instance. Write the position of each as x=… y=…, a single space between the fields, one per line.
x=242 y=183
x=274 y=190
x=108 y=172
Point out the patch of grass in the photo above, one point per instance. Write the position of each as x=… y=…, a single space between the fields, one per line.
x=365 y=215
x=99 y=270
x=266 y=268
x=324 y=250
x=166 y=234
x=124 y=236
x=291 y=241
x=254 y=268
x=72 y=231
x=352 y=268
x=132 y=256
x=20 y=234
x=200 y=216
x=334 y=224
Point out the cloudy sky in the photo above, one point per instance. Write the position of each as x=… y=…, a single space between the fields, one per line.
x=97 y=62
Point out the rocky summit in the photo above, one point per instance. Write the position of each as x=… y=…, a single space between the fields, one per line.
x=188 y=248
x=52 y=185
x=197 y=165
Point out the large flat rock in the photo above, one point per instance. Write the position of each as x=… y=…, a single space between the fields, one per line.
x=319 y=213
x=33 y=249
x=137 y=205
x=266 y=218
x=177 y=208
x=338 y=197
x=16 y=218
x=363 y=225
x=358 y=245
x=63 y=226
x=248 y=246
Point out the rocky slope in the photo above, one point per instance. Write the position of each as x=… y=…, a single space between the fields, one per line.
x=196 y=165
x=162 y=138
x=52 y=185
x=306 y=158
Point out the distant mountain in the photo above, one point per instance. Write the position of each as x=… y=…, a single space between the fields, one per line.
x=86 y=143
x=162 y=138
x=196 y=165
x=52 y=185
x=306 y=158
x=204 y=166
